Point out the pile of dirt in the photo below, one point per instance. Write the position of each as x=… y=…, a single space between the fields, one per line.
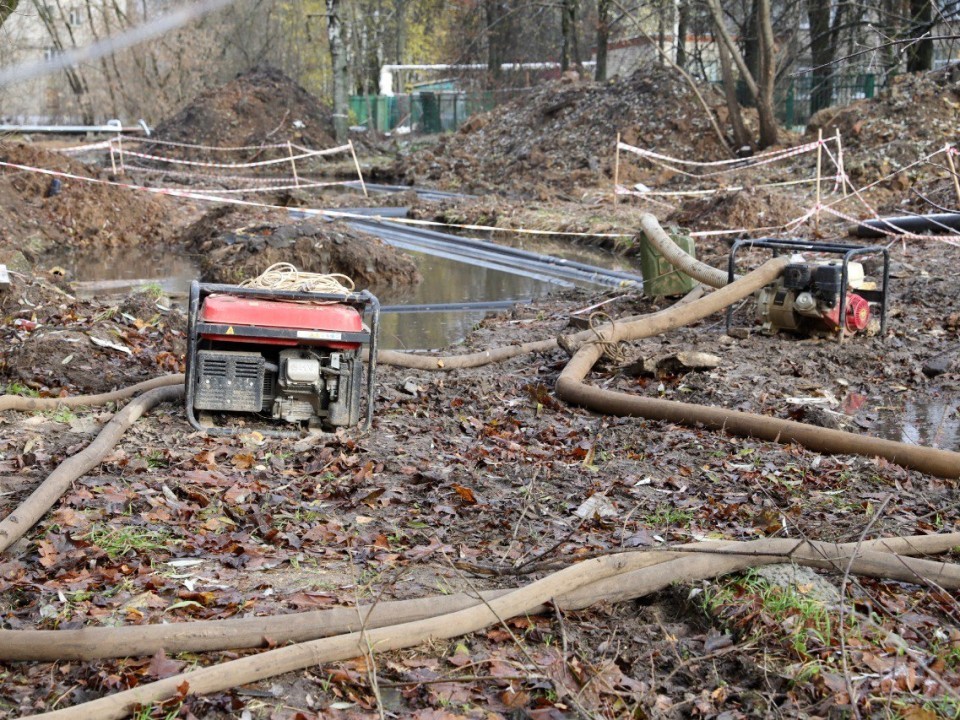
x=748 y=208
x=39 y=212
x=562 y=136
x=913 y=117
x=236 y=244
x=260 y=106
x=51 y=342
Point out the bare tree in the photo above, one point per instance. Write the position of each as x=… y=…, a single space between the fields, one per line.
x=603 y=39
x=60 y=32
x=824 y=40
x=6 y=9
x=920 y=52
x=338 y=57
x=760 y=85
x=570 y=47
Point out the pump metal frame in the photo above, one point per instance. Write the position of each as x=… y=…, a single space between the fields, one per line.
x=848 y=252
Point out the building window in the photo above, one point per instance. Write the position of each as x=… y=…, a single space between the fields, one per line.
x=76 y=17
x=50 y=53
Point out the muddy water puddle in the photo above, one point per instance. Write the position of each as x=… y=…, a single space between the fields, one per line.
x=933 y=421
x=445 y=281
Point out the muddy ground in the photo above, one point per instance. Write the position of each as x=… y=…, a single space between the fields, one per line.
x=483 y=478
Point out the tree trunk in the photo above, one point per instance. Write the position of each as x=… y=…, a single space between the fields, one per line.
x=891 y=28
x=494 y=44
x=740 y=135
x=338 y=59
x=683 y=21
x=768 y=76
x=920 y=52
x=822 y=53
x=75 y=78
x=569 y=51
x=400 y=9
x=603 y=39
x=750 y=43
x=6 y=9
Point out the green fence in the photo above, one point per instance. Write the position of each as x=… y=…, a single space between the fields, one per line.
x=795 y=101
x=424 y=112
x=445 y=111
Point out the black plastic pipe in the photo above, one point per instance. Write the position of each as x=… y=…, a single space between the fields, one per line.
x=939 y=223
x=473 y=248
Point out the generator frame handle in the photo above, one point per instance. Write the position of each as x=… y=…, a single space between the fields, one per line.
x=847 y=251
x=363 y=301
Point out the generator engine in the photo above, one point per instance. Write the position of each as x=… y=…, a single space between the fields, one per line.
x=285 y=356
x=807 y=299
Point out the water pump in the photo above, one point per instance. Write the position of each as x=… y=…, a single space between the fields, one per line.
x=828 y=295
x=806 y=299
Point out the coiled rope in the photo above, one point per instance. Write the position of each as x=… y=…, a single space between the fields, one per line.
x=284 y=276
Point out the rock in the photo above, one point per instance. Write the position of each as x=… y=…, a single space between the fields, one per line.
x=941 y=363
x=801 y=580
x=686 y=361
x=4 y=278
x=17 y=262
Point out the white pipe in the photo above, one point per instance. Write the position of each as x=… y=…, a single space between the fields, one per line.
x=112 y=126
x=386 y=71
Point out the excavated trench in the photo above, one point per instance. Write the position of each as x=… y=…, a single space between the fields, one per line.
x=460 y=286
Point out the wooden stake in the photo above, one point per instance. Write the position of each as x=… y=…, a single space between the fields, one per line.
x=293 y=164
x=953 y=172
x=841 y=169
x=616 y=171
x=819 y=167
x=113 y=160
x=363 y=185
x=120 y=151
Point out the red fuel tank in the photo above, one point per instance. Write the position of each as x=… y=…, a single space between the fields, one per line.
x=315 y=324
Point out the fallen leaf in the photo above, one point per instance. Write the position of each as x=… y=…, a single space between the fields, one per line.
x=465 y=493
x=162 y=667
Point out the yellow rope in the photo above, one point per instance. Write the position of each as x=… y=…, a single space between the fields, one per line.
x=284 y=276
x=611 y=350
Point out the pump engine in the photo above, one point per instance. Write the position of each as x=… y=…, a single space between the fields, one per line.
x=810 y=297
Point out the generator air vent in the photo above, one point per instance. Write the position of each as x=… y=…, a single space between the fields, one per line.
x=229 y=381
x=214 y=367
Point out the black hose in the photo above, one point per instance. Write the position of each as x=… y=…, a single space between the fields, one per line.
x=938 y=223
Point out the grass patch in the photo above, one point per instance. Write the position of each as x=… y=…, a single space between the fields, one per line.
x=118 y=542
x=665 y=516
x=16 y=388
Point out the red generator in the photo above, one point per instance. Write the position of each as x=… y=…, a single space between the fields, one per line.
x=284 y=356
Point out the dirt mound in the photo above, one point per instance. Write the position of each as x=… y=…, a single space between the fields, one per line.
x=235 y=245
x=40 y=211
x=750 y=208
x=259 y=106
x=562 y=135
x=52 y=342
x=915 y=116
